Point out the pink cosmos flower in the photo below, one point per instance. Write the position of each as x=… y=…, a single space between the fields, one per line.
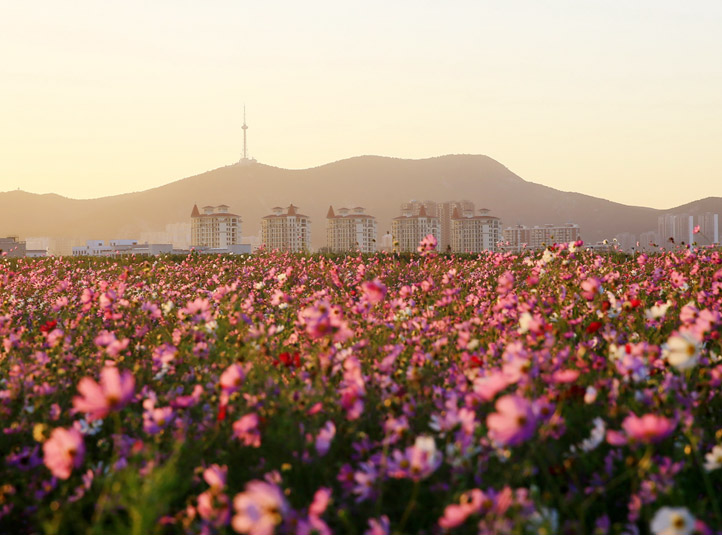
x=514 y=421
x=214 y=507
x=63 y=451
x=213 y=504
x=590 y=288
x=648 y=429
x=427 y=244
x=215 y=476
x=417 y=462
x=322 y=319
x=259 y=509
x=155 y=418
x=456 y=514
x=198 y=310
x=113 y=392
x=324 y=438
x=489 y=386
x=373 y=291
x=246 y=430
x=352 y=389
x=232 y=378
x=314 y=525
x=565 y=376
x=505 y=282
x=379 y=526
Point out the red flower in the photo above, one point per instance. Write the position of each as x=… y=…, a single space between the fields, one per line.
x=594 y=327
x=48 y=326
x=289 y=360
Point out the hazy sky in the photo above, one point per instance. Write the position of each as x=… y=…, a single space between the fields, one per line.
x=614 y=98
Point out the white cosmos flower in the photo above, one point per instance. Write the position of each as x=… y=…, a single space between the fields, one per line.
x=524 y=322
x=547 y=256
x=599 y=432
x=590 y=396
x=672 y=521
x=682 y=351
x=657 y=311
x=713 y=460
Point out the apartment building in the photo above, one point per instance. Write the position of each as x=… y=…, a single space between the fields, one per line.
x=409 y=229
x=444 y=211
x=289 y=231
x=215 y=228
x=538 y=237
x=350 y=230
x=471 y=233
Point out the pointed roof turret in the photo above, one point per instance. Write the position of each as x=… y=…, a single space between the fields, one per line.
x=422 y=211
x=195 y=212
x=330 y=213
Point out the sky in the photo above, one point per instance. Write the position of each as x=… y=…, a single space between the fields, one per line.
x=617 y=99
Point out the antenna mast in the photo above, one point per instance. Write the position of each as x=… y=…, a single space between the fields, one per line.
x=244 y=127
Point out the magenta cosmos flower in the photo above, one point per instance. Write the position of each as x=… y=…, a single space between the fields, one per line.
x=112 y=393
x=648 y=429
x=259 y=509
x=514 y=421
x=373 y=291
x=63 y=451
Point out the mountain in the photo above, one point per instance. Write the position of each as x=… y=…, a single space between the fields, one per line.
x=377 y=183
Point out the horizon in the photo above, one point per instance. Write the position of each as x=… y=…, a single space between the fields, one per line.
x=620 y=102
x=347 y=159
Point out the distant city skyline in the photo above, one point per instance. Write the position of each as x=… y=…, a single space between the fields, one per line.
x=619 y=100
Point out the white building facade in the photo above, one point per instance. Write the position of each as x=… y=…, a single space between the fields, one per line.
x=215 y=228
x=408 y=229
x=537 y=237
x=471 y=233
x=350 y=230
x=289 y=231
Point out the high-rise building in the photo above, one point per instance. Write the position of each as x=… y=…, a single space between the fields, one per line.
x=537 y=237
x=444 y=211
x=288 y=231
x=626 y=241
x=215 y=228
x=409 y=229
x=648 y=241
x=350 y=230
x=471 y=233
x=12 y=247
x=414 y=207
x=708 y=229
x=675 y=229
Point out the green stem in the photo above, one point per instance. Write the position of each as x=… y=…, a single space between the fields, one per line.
x=711 y=496
x=409 y=508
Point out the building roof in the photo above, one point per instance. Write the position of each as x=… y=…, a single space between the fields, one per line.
x=218 y=214
x=197 y=213
x=354 y=215
x=291 y=211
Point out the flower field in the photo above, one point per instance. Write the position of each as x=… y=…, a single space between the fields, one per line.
x=537 y=393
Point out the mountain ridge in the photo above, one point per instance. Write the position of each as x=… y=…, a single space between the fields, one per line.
x=378 y=183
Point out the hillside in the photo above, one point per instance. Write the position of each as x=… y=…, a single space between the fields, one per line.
x=377 y=183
